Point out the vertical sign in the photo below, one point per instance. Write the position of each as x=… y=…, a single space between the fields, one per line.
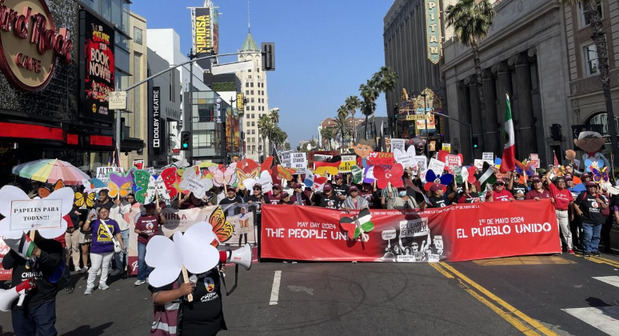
x=156 y=134
x=433 y=31
x=96 y=65
x=203 y=34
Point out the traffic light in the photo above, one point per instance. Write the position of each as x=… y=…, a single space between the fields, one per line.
x=185 y=140
x=475 y=142
x=268 y=56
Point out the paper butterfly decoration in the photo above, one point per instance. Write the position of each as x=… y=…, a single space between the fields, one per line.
x=156 y=187
x=593 y=164
x=192 y=250
x=141 y=179
x=405 y=158
x=600 y=175
x=358 y=225
x=266 y=165
x=222 y=228
x=193 y=182
x=265 y=181
x=248 y=166
x=385 y=176
x=224 y=175
x=170 y=181
x=88 y=200
x=120 y=184
x=442 y=180
x=10 y=193
x=44 y=192
x=525 y=166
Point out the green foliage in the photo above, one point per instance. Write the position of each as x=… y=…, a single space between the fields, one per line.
x=471 y=20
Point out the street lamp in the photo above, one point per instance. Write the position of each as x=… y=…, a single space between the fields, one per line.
x=425 y=118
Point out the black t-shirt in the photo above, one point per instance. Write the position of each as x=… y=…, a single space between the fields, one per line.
x=438 y=202
x=591 y=209
x=331 y=201
x=46 y=270
x=204 y=315
x=272 y=199
x=518 y=187
x=236 y=199
x=340 y=190
x=257 y=201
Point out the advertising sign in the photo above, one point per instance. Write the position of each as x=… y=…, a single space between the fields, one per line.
x=156 y=120
x=97 y=67
x=433 y=30
x=455 y=233
x=203 y=34
x=30 y=43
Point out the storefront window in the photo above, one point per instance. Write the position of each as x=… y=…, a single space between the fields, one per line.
x=600 y=120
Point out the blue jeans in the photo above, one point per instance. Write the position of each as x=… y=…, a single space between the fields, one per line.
x=143 y=269
x=120 y=258
x=591 y=236
x=38 y=321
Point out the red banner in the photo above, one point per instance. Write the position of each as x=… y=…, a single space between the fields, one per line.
x=4 y=249
x=456 y=233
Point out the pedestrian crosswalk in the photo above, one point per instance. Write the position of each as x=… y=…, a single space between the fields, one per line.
x=604 y=318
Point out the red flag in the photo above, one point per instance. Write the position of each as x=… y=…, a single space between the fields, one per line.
x=555 y=161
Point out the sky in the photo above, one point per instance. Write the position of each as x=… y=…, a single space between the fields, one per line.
x=324 y=49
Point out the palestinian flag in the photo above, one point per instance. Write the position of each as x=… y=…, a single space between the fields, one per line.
x=508 y=162
x=487 y=179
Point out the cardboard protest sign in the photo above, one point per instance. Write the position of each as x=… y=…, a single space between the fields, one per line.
x=298 y=160
x=192 y=182
x=479 y=164
x=436 y=166
x=103 y=173
x=381 y=159
x=453 y=160
x=404 y=157
x=420 y=163
x=398 y=144
x=348 y=161
x=35 y=214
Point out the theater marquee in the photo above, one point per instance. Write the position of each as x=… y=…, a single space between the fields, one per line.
x=30 y=43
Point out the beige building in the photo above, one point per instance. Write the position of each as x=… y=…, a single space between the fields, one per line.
x=254 y=86
x=136 y=120
x=586 y=96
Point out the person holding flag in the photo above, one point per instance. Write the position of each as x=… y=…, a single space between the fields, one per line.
x=508 y=161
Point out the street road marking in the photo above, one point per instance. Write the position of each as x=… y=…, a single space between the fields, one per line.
x=611 y=280
x=525 y=260
x=277 y=277
x=599 y=317
x=509 y=313
x=601 y=260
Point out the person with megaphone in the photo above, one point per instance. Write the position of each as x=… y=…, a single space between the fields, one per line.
x=38 y=265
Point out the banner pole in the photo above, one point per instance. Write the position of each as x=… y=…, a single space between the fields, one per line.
x=186 y=280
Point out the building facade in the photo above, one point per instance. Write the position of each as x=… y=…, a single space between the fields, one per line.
x=60 y=110
x=586 y=97
x=405 y=38
x=253 y=83
x=524 y=55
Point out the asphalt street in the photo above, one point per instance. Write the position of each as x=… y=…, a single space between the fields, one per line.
x=543 y=295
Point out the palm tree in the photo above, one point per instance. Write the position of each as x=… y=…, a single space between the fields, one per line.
x=327 y=134
x=598 y=35
x=342 y=116
x=369 y=93
x=352 y=104
x=471 y=20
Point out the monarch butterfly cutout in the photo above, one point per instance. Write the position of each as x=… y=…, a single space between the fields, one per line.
x=120 y=185
x=80 y=200
x=44 y=192
x=222 y=228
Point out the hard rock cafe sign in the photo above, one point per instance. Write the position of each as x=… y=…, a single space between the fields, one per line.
x=30 y=43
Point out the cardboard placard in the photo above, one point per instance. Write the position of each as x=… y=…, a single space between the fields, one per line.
x=436 y=166
x=479 y=164
x=35 y=214
x=298 y=160
x=348 y=161
x=397 y=144
x=103 y=173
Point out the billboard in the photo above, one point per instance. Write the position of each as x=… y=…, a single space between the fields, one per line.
x=96 y=66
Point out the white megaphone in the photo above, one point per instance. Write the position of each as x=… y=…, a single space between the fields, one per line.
x=241 y=256
x=7 y=296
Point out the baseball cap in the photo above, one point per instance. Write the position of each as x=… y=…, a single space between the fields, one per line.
x=499 y=182
x=434 y=187
x=591 y=184
x=327 y=187
x=277 y=186
x=353 y=188
x=535 y=179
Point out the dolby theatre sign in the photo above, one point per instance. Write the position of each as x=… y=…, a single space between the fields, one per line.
x=30 y=43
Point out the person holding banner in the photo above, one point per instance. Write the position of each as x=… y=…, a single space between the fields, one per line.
x=437 y=197
x=299 y=197
x=562 y=200
x=105 y=232
x=499 y=193
x=147 y=226
x=274 y=196
x=41 y=260
x=327 y=198
x=537 y=191
x=231 y=197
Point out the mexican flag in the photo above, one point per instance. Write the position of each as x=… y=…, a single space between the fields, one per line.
x=508 y=162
